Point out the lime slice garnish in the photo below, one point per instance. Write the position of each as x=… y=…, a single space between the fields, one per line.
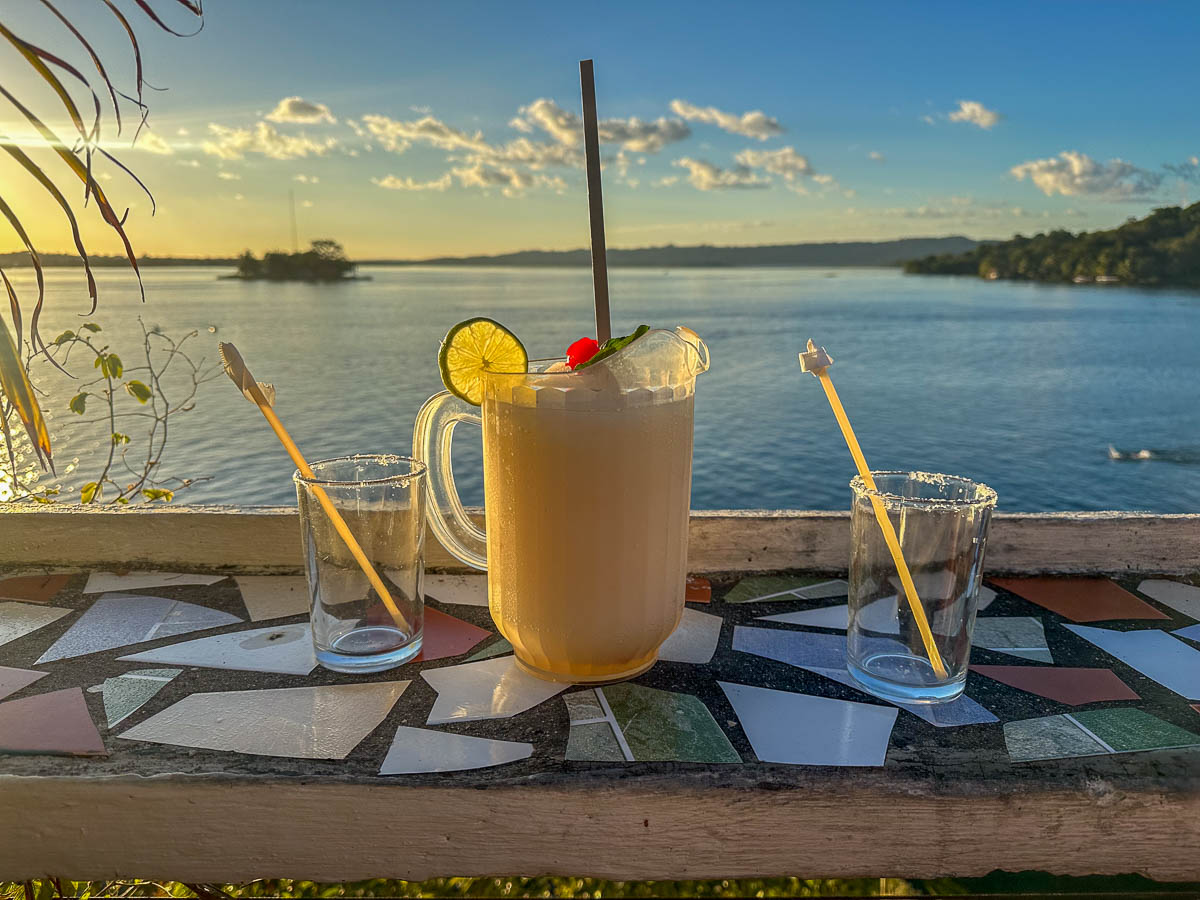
x=474 y=347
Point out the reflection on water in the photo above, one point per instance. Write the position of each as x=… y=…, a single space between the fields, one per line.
x=1009 y=384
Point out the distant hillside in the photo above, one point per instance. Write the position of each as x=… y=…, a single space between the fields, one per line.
x=8 y=260
x=861 y=253
x=1161 y=249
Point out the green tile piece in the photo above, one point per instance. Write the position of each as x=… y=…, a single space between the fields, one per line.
x=764 y=585
x=1126 y=728
x=662 y=725
x=1050 y=737
x=593 y=743
x=583 y=705
x=497 y=648
x=126 y=694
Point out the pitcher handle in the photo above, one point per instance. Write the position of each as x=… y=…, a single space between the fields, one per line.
x=432 y=435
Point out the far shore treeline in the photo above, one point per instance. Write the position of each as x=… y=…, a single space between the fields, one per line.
x=1161 y=249
x=830 y=254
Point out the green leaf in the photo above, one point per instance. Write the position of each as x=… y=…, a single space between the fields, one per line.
x=89 y=492
x=612 y=345
x=64 y=337
x=113 y=364
x=118 y=438
x=79 y=402
x=99 y=363
x=122 y=500
x=138 y=390
x=91 y=326
x=158 y=494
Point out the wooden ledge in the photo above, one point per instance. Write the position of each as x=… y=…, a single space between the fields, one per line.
x=266 y=539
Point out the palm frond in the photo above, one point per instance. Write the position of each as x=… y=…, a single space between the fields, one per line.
x=14 y=381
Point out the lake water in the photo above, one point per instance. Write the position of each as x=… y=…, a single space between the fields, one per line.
x=1021 y=386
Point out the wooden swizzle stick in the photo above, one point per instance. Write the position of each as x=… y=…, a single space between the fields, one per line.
x=263 y=396
x=817 y=361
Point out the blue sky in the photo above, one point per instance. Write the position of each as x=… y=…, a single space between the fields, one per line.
x=857 y=127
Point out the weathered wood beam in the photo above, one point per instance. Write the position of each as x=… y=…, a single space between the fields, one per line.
x=268 y=539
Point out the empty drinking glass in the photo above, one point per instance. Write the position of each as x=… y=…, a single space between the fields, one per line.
x=381 y=501
x=942 y=523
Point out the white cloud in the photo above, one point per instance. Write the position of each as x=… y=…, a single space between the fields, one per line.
x=704 y=176
x=785 y=161
x=633 y=134
x=183 y=132
x=301 y=111
x=753 y=124
x=153 y=143
x=1189 y=169
x=421 y=110
x=264 y=139
x=512 y=182
x=928 y=119
x=239 y=197
x=307 y=204
x=398 y=136
x=666 y=181
x=188 y=163
x=396 y=183
x=1072 y=173
x=876 y=156
x=229 y=176
x=306 y=179
x=976 y=113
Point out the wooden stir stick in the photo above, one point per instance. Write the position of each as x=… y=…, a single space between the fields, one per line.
x=817 y=361
x=263 y=396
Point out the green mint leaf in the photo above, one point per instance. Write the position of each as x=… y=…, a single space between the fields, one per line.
x=612 y=345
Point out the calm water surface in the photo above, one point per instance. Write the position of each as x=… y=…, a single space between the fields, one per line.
x=1021 y=386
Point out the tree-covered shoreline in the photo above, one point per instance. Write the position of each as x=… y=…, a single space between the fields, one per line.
x=1161 y=249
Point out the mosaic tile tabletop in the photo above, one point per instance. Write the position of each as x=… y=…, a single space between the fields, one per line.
x=199 y=674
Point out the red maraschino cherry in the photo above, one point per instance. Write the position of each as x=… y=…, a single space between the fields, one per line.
x=581 y=351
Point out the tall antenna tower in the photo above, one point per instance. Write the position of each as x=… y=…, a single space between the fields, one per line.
x=292 y=207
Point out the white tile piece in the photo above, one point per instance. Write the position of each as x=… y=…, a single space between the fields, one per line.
x=20 y=619
x=1156 y=654
x=118 y=620
x=1192 y=633
x=826 y=617
x=488 y=689
x=126 y=694
x=1022 y=636
x=800 y=729
x=824 y=590
x=303 y=723
x=986 y=596
x=417 y=750
x=1184 y=598
x=464 y=590
x=274 y=596
x=694 y=640
x=285 y=649
x=102 y=582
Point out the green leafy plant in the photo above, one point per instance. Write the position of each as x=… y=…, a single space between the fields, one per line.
x=160 y=386
x=85 y=146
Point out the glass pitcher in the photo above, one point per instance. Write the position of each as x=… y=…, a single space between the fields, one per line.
x=587 y=485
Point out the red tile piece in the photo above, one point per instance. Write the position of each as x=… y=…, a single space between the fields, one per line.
x=699 y=590
x=1081 y=599
x=12 y=680
x=56 y=723
x=1071 y=686
x=447 y=636
x=33 y=588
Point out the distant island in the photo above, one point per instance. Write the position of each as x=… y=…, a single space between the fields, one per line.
x=833 y=254
x=1161 y=249
x=324 y=262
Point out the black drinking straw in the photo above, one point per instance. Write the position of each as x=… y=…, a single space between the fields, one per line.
x=591 y=151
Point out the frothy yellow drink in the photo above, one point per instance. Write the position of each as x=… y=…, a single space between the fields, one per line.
x=587 y=515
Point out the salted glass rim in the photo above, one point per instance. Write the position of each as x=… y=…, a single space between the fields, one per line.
x=416 y=469
x=985 y=496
